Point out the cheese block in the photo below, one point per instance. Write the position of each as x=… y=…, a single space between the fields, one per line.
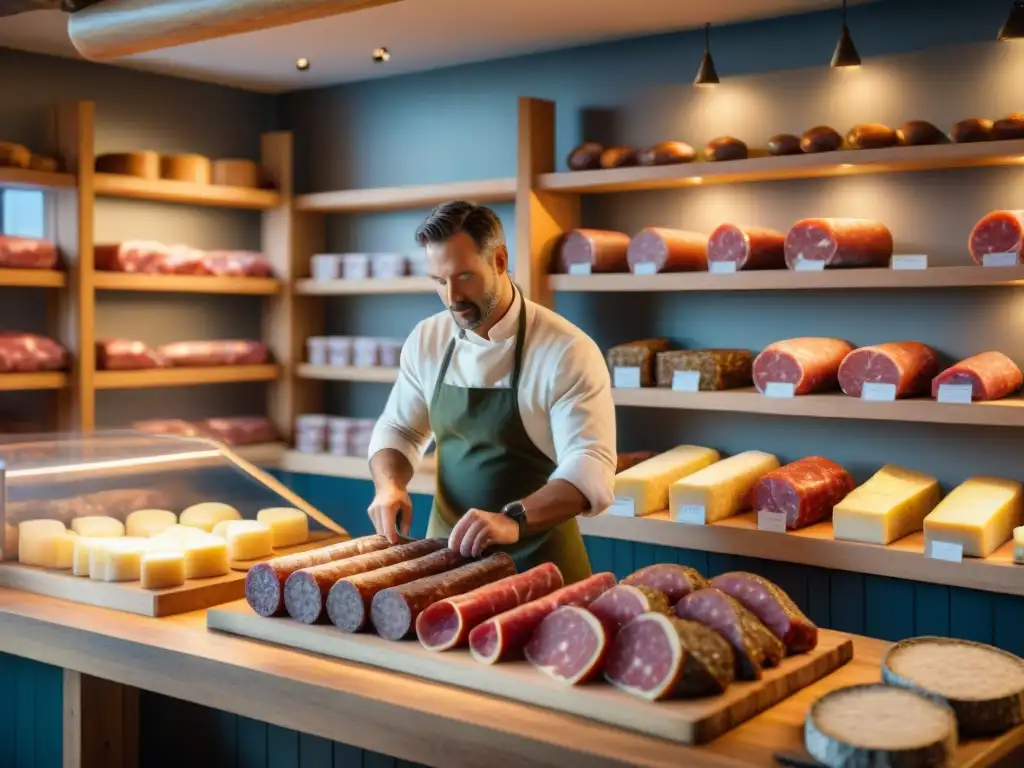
x=979 y=514
x=97 y=526
x=193 y=168
x=646 y=484
x=144 y=164
x=221 y=528
x=149 y=522
x=1018 y=545
x=206 y=557
x=233 y=172
x=49 y=551
x=117 y=559
x=722 y=489
x=175 y=536
x=249 y=540
x=81 y=556
x=288 y=526
x=890 y=505
x=37 y=542
x=207 y=514
x=163 y=570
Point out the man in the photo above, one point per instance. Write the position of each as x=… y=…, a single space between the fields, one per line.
x=519 y=403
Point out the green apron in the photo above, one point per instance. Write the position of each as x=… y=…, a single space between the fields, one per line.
x=485 y=459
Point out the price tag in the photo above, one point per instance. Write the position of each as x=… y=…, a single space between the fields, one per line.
x=626 y=378
x=771 y=521
x=945 y=550
x=910 y=261
x=779 y=389
x=999 y=259
x=722 y=267
x=808 y=265
x=623 y=508
x=955 y=393
x=878 y=391
x=645 y=268
x=579 y=269
x=690 y=514
x=686 y=381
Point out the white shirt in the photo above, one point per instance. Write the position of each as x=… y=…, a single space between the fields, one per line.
x=565 y=397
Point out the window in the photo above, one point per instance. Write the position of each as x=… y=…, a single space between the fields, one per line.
x=21 y=213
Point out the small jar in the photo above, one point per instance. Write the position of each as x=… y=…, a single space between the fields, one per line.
x=326 y=266
x=318 y=350
x=355 y=266
x=339 y=350
x=390 y=352
x=365 y=351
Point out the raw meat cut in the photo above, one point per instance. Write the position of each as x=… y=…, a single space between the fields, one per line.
x=668 y=250
x=747 y=247
x=991 y=376
x=726 y=148
x=666 y=153
x=675 y=581
x=908 y=365
x=138 y=256
x=240 y=430
x=212 y=353
x=447 y=623
x=601 y=250
x=624 y=602
x=569 y=645
x=755 y=646
x=235 y=264
x=506 y=634
x=152 y=257
x=28 y=352
x=27 y=253
x=394 y=611
x=127 y=355
x=659 y=657
x=772 y=606
x=997 y=232
x=805 y=490
x=871 y=136
x=264 y=583
x=839 y=243
x=718 y=369
x=811 y=364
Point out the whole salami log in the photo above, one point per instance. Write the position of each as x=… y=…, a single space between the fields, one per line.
x=447 y=623
x=839 y=243
x=674 y=581
x=784 y=144
x=394 y=611
x=264 y=583
x=811 y=364
x=654 y=249
x=27 y=253
x=1011 y=127
x=748 y=247
x=726 y=148
x=127 y=355
x=871 y=136
x=603 y=250
x=909 y=366
x=991 y=376
x=821 y=138
x=805 y=490
x=919 y=132
x=506 y=634
x=618 y=157
x=350 y=599
x=306 y=590
x=667 y=153
x=624 y=602
x=772 y=606
x=972 y=129
x=718 y=368
x=997 y=232
x=585 y=157
x=569 y=645
x=660 y=657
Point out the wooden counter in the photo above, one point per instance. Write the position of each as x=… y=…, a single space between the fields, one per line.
x=384 y=712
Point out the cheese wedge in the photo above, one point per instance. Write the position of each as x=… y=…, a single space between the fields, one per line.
x=722 y=489
x=163 y=570
x=288 y=526
x=249 y=540
x=646 y=484
x=208 y=514
x=206 y=557
x=890 y=505
x=149 y=522
x=1018 y=545
x=38 y=542
x=97 y=526
x=117 y=559
x=979 y=514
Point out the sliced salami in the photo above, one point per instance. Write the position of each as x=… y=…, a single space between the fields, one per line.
x=772 y=606
x=624 y=602
x=668 y=250
x=804 y=491
x=810 y=364
x=674 y=581
x=909 y=366
x=569 y=645
x=997 y=232
x=601 y=250
x=839 y=243
x=991 y=376
x=747 y=247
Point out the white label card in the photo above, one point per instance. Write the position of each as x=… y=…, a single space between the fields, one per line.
x=623 y=508
x=690 y=514
x=878 y=391
x=999 y=259
x=779 y=389
x=627 y=378
x=955 y=393
x=645 y=268
x=807 y=265
x=579 y=269
x=686 y=381
x=910 y=261
x=722 y=267
x=767 y=520
x=945 y=550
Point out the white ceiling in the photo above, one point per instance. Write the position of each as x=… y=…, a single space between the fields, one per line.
x=420 y=34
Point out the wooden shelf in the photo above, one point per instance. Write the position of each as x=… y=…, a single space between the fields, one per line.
x=32 y=278
x=24 y=178
x=358 y=287
x=400 y=198
x=265 y=454
x=822 y=165
x=126 y=281
x=23 y=381
x=347 y=373
x=188 y=193
x=184 y=377
x=353 y=468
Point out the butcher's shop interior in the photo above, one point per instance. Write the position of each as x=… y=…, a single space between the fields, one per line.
x=405 y=383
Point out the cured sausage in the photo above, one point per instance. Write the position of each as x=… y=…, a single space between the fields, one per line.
x=811 y=364
x=585 y=157
x=306 y=590
x=1011 y=127
x=871 y=136
x=772 y=606
x=569 y=645
x=839 y=243
x=624 y=602
x=394 y=611
x=506 y=634
x=618 y=157
x=667 y=153
x=972 y=129
x=748 y=247
x=997 y=232
x=726 y=148
x=603 y=250
x=908 y=365
x=821 y=138
x=27 y=253
x=667 y=250
x=447 y=623
x=264 y=583
x=127 y=355
x=991 y=376
x=660 y=657
x=350 y=599
x=805 y=490
x=675 y=581
x=784 y=144
x=918 y=132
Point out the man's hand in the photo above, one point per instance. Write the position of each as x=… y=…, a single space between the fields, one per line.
x=477 y=530
x=390 y=502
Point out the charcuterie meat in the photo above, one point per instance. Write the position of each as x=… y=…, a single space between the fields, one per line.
x=675 y=581
x=585 y=157
x=27 y=253
x=772 y=606
x=29 y=352
x=240 y=430
x=919 y=132
x=748 y=247
x=972 y=129
x=618 y=157
x=839 y=243
x=264 y=583
x=176 y=427
x=997 y=232
x=152 y=257
x=805 y=490
x=1011 y=127
x=811 y=364
x=306 y=590
x=991 y=376
x=624 y=602
x=638 y=354
x=569 y=645
x=127 y=355
x=667 y=153
x=602 y=250
x=393 y=611
x=784 y=144
x=718 y=368
x=506 y=634
x=624 y=461
x=668 y=250
x=220 y=352
x=755 y=646
x=821 y=138
x=909 y=366
x=726 y=148
x=660 y=657
x=871 y=136
x=350 y=599
x=447 y=623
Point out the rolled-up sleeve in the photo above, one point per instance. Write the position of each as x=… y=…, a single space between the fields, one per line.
x=405 y=423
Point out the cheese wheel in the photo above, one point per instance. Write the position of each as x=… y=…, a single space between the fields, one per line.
x=234 y=172
x=722 y=489
x=646 y=484
x=249 y=540
x=144 y=164
x=97 y=526
x=890 y=505
x=163 y=570
x=193 y=168
x=207 y=514
x=206 y=557
x=288 y=526
x=149 y=522
x=979 y=514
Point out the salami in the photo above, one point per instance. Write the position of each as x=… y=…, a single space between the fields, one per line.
x=27 y=253
x=506 y=634
x=655 y=249
x=447 y=623
x=908 y=365
x=624 y=602
x=991 y=376
x=602 y=250
x=747 y=247
x=264 y=583
x=350 y=599
x=805 y=490
x=772 y=606
x=569 y=645
x=675 y=581
x=839 y=243
x=306 y=590
x=997 y=232
x=811 y=364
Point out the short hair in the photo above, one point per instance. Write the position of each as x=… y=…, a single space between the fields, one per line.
x=478 y=221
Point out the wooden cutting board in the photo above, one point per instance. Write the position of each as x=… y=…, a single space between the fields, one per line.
x=692 y=721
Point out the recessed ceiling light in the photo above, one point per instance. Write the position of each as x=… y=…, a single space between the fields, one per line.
x=302 y=64
x=381 y=55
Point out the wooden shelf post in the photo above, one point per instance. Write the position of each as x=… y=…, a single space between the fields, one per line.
x=100 y=722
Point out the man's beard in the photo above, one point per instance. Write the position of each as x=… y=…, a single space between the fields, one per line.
x=476 y=314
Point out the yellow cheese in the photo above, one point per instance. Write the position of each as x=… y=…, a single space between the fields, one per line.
x=175 y=537
x=221 y=528
x=117 y=559
x=249 y=540
x=38 y=542
x=82 y=553
x=208 y=514
x=891 y=504
x=206 y=557
x=647 y=483
x=149 y=522
x=163 y=570
x=980 y=514
x=288 y=526
x=10 y=544
x=97 y=526
x=722 y=489
x=1018 y=545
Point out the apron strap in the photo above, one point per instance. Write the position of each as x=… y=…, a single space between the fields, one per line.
x=444 y=370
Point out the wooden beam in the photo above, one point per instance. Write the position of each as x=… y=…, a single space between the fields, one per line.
x=101 y=722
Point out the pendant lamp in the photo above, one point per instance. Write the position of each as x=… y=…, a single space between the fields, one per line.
x=846 y=52
x=1013 y=29
x=706 y=75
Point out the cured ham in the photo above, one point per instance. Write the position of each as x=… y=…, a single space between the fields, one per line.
x=804 y=491
x=595 y=250
x=908 y=366
x=838 y=243
x=997 y=232
x=655 y=249
x=990 y=375
x=810 y=364
x=747 y=247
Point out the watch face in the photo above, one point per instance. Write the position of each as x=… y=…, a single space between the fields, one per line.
x=515 y=510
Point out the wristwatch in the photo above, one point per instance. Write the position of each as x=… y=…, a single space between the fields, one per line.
x=516 y=511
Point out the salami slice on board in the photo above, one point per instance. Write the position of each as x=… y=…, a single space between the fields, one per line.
x=772 y=606
x=569 y=645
